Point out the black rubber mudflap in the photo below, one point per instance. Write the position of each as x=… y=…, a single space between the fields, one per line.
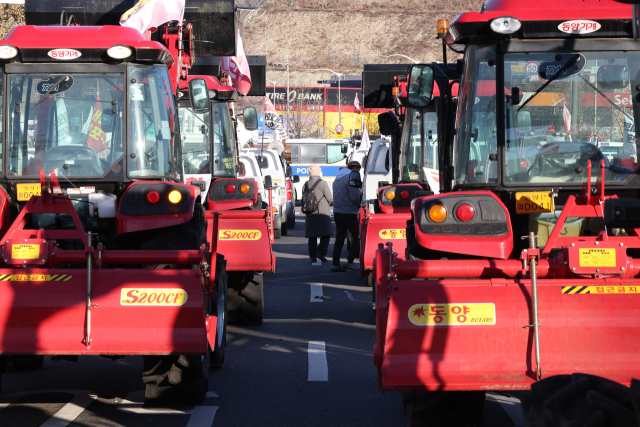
x=581 y=400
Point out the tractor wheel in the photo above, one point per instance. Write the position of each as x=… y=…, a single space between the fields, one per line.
x=245 y=303
x=444 y=408
x=581 y=400
x=219 y=309
x=181 y=378
x=283 y=227
x=370 y=280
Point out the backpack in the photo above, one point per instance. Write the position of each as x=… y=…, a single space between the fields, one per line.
x=309 y=201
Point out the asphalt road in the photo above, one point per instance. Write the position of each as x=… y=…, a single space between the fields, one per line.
x=309 y=364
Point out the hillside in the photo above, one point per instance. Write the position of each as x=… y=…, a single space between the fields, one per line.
x=345 y=34
x=338 y=34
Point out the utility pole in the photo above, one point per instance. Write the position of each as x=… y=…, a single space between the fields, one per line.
x=288 y=121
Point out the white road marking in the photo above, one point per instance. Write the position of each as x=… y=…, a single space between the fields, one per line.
x=318 y=368
x=511 y=406
x=350 y=296
x=68 y=413
x=316 y=290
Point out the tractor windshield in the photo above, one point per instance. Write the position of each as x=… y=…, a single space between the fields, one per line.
x=418 y=161
x=71 y=123
x=197 y=140
x=561 y=109
x=153 y=149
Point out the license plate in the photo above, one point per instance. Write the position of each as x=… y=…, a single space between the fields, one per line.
x=25 y=191
x=534 y=202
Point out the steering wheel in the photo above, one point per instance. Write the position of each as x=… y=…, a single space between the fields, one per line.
x=88 y=163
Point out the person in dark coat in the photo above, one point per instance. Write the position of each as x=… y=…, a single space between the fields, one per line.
x=318 y=224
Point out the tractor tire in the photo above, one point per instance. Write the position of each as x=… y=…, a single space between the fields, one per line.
x=581 y=400
x=219 y=309
x=283 y=228
x=444 y=408
x=180 y=378
x=245 y=303
x=370 y=280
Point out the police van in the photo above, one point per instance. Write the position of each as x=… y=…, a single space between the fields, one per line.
x=330 y=154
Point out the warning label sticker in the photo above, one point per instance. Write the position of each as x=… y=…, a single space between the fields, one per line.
x=35 y=277
x=597 y=257
x=25 y=251
x=453 y=314
x=575 y=290
x=393 y=234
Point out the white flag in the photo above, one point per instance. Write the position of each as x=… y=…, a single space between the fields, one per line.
x=273 y=121
x=149 y=14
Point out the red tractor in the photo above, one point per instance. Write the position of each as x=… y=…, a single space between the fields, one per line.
x=414 y=163
x=525 y=266
x=245 y=224
x=105 y=249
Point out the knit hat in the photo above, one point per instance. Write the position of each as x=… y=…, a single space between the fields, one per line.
x=314 y=170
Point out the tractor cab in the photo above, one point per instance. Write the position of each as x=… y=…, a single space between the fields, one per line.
x=567 y=99
x=210 y=147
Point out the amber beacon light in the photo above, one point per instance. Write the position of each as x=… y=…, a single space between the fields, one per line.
x=443 y=27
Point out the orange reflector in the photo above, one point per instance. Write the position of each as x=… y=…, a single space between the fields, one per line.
x=443 y=26
x=245 y=188
x=395 y=91
x=390 y=194
x=175 y=197
x=437 y=213
x=274 y=210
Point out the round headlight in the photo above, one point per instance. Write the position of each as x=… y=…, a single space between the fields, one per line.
x=7 y=51
x=505 y=25
x=175 y=197
x=119 y=52
x=213 y=94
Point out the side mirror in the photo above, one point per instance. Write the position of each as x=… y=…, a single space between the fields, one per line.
x=613 y=76
x=354 y=180
x=250 y=118
x=295 y=179
x=267 y=182
x=289 y=170
x=524 y=122
x=344 y=149
x=420 y=88
x=199 y=96
x=241 y=170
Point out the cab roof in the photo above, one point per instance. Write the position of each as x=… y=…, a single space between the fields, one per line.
x=35 y=41
x=541 y=19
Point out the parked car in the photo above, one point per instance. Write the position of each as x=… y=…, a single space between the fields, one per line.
x=270 y=163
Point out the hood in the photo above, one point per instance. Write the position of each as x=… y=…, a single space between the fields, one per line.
x=342 y=173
